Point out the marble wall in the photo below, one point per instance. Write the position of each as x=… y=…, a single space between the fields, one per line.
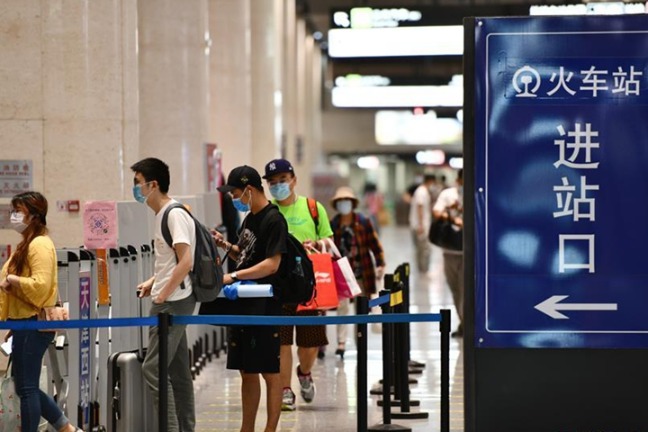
x=88 y=88
x=173 y=90
x=64 y=104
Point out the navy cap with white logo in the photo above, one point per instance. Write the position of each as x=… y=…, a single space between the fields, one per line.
x=278 y=166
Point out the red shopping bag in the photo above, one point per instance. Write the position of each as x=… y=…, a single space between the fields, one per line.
x=325 y=291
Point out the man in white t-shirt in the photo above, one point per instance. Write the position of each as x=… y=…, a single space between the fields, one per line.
x=170 y=290
x=449 y=205
x=419 y=220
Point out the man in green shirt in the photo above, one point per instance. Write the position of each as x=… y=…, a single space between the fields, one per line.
x=310 y=230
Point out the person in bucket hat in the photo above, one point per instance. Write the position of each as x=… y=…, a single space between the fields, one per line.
x=357 y=239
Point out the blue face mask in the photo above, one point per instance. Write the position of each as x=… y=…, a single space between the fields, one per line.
x=280 y=191
x=138 y=195
x=238 y=204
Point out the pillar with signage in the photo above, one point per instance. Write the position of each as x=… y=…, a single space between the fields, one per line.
x=556 y=154
x=86 y=336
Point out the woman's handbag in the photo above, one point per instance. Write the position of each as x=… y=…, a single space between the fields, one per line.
x=48 y=313
x=53 y=313
x=446 y=235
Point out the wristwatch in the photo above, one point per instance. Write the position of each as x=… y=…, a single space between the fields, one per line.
x=234 y=276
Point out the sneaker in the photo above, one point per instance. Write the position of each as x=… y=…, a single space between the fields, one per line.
x=288 y=400
x=307 y=386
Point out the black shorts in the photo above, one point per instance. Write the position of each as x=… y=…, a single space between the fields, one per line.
x=253 y=349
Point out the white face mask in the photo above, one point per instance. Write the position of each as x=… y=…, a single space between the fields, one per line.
x=344 y=206
x=18 y=221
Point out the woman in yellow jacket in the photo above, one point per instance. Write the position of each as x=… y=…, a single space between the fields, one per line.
x=28 y=282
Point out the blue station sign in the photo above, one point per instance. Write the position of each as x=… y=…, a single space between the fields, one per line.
x=561 y=186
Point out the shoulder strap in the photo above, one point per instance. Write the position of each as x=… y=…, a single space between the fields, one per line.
x=166 y=233
x=314 y=212
x=264 y=222
x=362 y=219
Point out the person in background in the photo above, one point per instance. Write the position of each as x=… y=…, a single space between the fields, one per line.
x=254 y=350
x=373 y=204
x=231 y=222
x=443 y=182
x=435 y=189
x=356 y=238
x=170 y=290
x=281 y=178
x=420 y=218
x=29 y=282
x=408 y=193
x=449 y=205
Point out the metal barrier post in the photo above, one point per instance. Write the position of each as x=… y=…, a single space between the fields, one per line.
x=401 y=359
x=396 y=303
x=387 y=363
x=445 y=369
x=164 y=321
x=414 y=366
x=362 y=308
x=388 y=357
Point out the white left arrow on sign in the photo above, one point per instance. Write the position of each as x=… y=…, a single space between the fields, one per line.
x=552 y=305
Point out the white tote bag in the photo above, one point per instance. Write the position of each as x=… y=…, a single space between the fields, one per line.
x=10 y=402
x=345 y=280
x=9 y=406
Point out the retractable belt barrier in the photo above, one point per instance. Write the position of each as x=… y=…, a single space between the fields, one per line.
x=163 y=321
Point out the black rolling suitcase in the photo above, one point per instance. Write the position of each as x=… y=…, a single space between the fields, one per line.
x=129 y=398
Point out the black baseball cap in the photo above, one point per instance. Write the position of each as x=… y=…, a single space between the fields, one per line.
x=278 y=166
x=240 y=177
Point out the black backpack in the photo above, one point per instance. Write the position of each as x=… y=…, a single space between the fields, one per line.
x=295 y=281
x=207 y=272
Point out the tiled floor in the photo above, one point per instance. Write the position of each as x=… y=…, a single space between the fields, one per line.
x=218 y=390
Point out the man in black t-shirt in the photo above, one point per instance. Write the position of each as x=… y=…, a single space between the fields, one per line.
x=254 y=350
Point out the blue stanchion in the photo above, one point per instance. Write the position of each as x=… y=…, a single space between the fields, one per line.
x=379 y=300
x=78 y=324
x=314 y=320
x=220 y=320
x=228 y=320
